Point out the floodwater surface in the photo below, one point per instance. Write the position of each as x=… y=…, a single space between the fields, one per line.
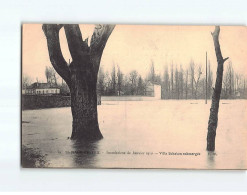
x=143 y=134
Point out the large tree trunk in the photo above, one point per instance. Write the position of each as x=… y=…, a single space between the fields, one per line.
x=213 y=118
x=84 y=106
x=80 y=74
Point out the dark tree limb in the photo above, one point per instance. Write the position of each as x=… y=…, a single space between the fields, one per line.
x=51 y=32
x=98 y=41
x=77 y=47
x=213 y=118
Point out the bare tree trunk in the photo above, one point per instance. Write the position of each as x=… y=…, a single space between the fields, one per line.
x=186 y=85
x=192 y=70
x=213 y=118
x=80 y=75
x=172 y=81
x=84 y=106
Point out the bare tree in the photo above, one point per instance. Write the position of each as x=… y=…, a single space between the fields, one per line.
x=172 y=81
x=186 y=84
x=213 y=118
x=177 y=83
x=81 y=74
x=181 y=82
x=133 y=79
x=119 y=81
x=237 y=82
x=244 y=88
x=26 y=81
x=107 y=83
x=113 y=80
x=197 y=79
x=51 y=75
x=166 y=83
x=101 y=81
x=228 y=82
x=192 y=73
x=140 y=86
x=151 y=74
x=210 y=81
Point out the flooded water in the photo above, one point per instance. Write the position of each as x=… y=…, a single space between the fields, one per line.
x=144 y=134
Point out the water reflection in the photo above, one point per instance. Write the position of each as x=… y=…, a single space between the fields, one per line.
x=84 y=153
x=211 y=160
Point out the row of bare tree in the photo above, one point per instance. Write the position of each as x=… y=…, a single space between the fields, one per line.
x=233 y=84
x=177 y=83
x=116 y=83
x=190 y=83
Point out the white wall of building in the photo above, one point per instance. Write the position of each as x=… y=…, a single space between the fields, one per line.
x=47 y=91
x=41 y=91
x=157 y=92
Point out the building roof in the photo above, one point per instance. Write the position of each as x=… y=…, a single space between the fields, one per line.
x=38 y=85
x=153 y=83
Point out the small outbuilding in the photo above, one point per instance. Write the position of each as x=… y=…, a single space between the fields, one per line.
x=153 y=90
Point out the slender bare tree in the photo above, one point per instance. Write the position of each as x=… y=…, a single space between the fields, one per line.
x=119 y=81
x=181 y=82
x=26 y=81
x=186 y=85
x=213 y=118
x=192 y=74
x=51 y=75
x=210 y=81
x=133 y=81
x=196 y=80
x=172 y=84
x=113 y=80
x=166 y=83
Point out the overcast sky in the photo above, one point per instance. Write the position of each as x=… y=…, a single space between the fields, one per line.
x=133 y=47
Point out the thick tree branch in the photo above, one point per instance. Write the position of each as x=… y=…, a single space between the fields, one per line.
x=77 y=47
x=100 y=36
x=51 y=32
x=98 y=41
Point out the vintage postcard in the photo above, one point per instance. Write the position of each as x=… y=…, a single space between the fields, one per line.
x=134 y=96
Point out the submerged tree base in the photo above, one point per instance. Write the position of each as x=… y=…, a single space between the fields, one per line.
x=86 y=132
x=85 y=137
x=211 y=140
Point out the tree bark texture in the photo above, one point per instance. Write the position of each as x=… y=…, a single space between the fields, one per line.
x=80 y=74
x=213 y=118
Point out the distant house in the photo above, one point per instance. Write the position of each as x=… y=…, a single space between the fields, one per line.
x=119 y=93
x=153 y=90
x=237 y=94
x=41 y=89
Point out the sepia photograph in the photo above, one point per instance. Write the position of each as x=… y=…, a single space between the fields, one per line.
x=133 y=96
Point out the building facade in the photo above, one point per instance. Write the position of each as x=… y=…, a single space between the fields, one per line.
x=153 y=90
x=41 y=89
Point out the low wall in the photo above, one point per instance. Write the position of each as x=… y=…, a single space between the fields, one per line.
x=127 y=98
x=44 y=101
x=55 y=101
